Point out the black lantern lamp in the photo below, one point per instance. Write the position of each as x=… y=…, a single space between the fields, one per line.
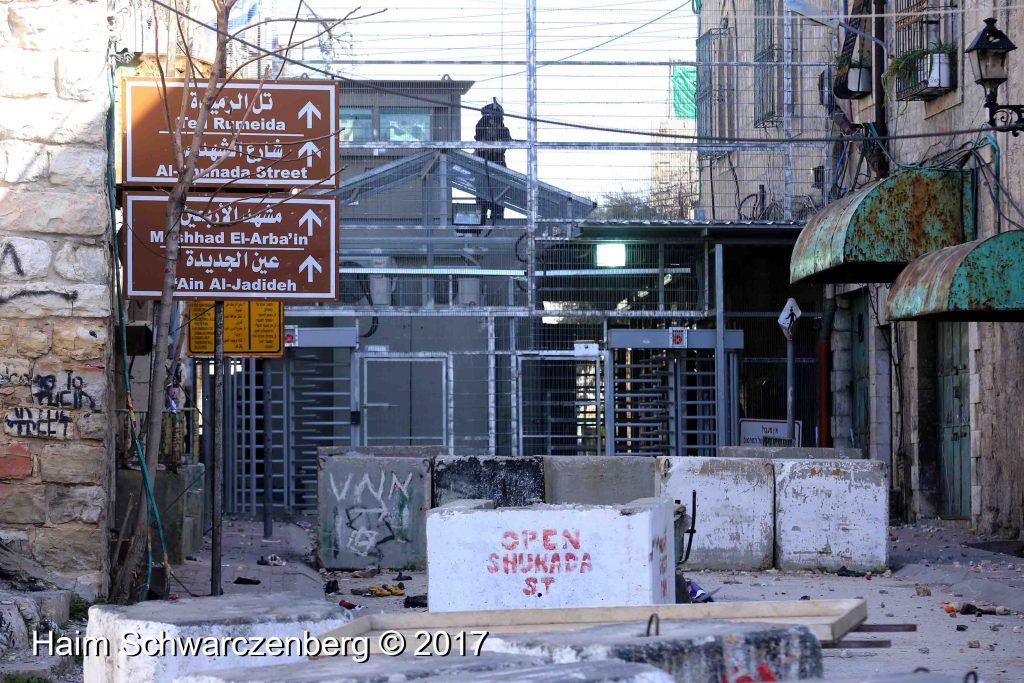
x=988 y=52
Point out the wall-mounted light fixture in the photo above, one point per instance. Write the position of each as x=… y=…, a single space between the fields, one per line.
x=611 y=255
x=988 y=52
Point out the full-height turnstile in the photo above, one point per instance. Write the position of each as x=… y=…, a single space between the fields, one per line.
x=665 y=394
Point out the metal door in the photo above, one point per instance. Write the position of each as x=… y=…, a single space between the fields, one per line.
x=953 y=384
x=559 y=406
x=861 y=370
x=405 y=401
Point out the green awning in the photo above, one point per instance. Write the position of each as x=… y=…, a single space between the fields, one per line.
x=870 y=235
x=980 y=280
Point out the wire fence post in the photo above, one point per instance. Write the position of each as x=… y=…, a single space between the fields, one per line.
x=217 y=481
x=268 y=452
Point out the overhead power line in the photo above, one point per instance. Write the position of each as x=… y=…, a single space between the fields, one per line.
x=580 y=126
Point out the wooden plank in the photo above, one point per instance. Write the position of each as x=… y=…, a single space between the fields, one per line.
x=827 y=619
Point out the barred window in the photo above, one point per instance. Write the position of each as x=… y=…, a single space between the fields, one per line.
x=715 y=111
x=768 y=72
x=925 y=49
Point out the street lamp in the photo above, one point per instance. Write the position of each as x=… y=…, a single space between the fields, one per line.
x=988 y=52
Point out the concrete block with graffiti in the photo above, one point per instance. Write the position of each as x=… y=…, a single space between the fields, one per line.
x=373 y=511
x=547 y=556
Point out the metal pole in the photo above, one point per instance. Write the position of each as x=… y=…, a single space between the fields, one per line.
x=721 y=388
x=532 y=190
x=217 y=481
x=787 y=112
x=206 y=445
x=790 y=386
x=268 y=453
x=492 y=395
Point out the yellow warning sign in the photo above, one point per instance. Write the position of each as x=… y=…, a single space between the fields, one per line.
x=251 y=328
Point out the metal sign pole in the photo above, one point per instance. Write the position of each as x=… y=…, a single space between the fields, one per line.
x=790 y=387
x=217 y=482
x=787 y=321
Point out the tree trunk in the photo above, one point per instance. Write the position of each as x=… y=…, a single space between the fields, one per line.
x=127 y=573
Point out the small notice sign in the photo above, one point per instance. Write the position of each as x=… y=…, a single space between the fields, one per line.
x=251 y=328
x=753 y=432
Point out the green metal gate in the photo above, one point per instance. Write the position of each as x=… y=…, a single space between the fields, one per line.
x=953 y=382
x=861 y=370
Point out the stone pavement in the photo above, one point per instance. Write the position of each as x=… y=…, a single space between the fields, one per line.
x=243 y=545
x=930 y=553
x=927 y=554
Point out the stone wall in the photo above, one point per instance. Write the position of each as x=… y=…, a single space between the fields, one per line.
x=996 y=350
x=55 y=288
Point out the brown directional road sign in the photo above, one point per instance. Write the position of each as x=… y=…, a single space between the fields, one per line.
x=235 y=247
x=280 y=134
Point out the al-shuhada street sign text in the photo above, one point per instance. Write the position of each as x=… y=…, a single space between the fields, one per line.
x=280 y=134
x=235 y=247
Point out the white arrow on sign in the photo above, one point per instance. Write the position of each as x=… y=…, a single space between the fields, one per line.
x=309 y=219
x=308 y=150
x=789 y=316
x=308 y=265
x=309 y=111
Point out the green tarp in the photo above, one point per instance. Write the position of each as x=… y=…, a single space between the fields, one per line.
x=684 y=90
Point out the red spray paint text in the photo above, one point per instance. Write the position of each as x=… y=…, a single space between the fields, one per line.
x=566 y=557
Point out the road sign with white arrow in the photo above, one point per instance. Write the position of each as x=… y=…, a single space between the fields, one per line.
x=278 y=134
x=235 y=247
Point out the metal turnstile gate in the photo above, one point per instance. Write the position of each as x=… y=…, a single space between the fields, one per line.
x=663 y=389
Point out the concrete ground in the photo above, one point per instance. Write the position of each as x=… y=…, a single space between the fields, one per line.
x=934 y=557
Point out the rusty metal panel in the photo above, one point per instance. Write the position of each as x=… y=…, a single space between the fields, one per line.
x=981 y=280
x=871 y=234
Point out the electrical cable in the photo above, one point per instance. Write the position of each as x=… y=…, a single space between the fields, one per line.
x=602 y=44
x=370 y=85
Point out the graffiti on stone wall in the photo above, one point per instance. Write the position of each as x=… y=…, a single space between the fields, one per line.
x=66 y=391
x=10 y=254
x=69 y=296
x=14 y=374
x=373 y=509
x=54 y=423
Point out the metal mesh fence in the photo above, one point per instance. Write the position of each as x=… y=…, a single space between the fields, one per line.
x=484 y=261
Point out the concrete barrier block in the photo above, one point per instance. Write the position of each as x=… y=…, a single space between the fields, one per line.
x=735 y=509
x=597 y=480
x=375 y=669
x=508 y=481
x=693 y=652
x=790 y=453
x=831 y=513
x=147 y=641
x=373 y=511
x=609 y=671
x=551 y=556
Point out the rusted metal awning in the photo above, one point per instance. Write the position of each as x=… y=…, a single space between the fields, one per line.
x=981 y=280
x=870 y=235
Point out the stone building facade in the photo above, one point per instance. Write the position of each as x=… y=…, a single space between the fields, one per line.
x=943 y=402
x=56 y=338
